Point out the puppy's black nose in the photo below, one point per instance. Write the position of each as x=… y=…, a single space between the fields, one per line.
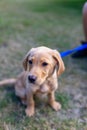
x=32 y=78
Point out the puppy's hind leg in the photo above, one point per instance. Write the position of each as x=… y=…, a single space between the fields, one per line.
x=20 y=91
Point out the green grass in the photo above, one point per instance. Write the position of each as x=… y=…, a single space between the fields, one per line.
x=63 y=99
x=28 y=23
x=12 y=112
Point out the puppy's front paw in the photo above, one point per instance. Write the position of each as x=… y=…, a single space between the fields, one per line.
x=56 y=106
x=29 y=111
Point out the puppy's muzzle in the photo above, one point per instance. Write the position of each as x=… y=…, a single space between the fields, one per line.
x=32 y=78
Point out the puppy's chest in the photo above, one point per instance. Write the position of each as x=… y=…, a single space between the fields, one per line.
x=42 y=91
x=45 y=88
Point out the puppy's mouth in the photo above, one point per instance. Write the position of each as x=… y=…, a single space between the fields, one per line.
x=35 y=80
x=37 y=83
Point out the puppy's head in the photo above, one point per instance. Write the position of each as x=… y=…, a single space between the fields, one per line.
x=40 y=64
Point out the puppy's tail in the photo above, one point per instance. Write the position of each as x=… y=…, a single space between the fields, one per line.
x=7 y=82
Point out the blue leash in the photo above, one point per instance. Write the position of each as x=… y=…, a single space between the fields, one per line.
x=79 y=48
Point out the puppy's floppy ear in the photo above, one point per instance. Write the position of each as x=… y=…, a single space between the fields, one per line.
x=26 y=58
x=59 y=62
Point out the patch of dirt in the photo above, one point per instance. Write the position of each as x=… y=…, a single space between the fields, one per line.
x=75 y=85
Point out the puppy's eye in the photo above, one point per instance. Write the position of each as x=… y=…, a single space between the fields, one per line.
x=44 y=64
x=30 y=62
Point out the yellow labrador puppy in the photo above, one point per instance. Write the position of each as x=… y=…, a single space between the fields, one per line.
x=42 y=67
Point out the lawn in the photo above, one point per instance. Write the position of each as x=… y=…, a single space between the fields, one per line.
x=56 y=24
